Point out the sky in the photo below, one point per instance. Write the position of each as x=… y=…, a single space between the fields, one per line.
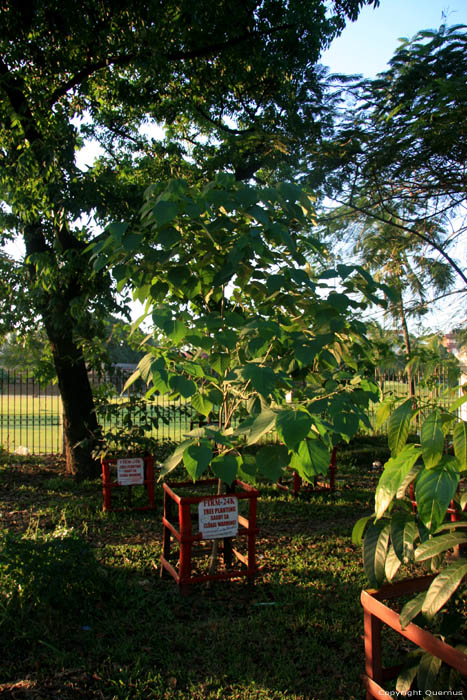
x=366 y=46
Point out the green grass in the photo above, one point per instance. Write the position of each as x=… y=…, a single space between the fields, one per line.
x=83 y=611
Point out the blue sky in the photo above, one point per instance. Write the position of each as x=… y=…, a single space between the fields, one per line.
x=365 y=46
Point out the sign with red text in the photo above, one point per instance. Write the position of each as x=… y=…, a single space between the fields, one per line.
x=218 y=517
x=130 y=472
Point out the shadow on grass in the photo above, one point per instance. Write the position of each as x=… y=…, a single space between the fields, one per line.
x=295 y=634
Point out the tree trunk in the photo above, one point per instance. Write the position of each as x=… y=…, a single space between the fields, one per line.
x=79 y=419
x=408 y=348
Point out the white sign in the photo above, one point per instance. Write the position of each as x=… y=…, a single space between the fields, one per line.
x=218 y=517
x=130 y=471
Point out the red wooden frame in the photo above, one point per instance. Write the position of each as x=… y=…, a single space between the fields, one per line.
x=376 y=613
x=178 y=524
x=108 y=484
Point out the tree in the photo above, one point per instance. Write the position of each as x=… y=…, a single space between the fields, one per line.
x=241 y=320
x=398 y=156
x=401 y=261
x=246 y=77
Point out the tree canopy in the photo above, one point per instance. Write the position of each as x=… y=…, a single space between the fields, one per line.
x=246 y=81
x=397 y=160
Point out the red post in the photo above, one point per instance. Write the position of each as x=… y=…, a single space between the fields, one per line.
x=106 y=485
x=185 y=542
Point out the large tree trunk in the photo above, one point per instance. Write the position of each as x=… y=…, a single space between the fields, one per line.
x=79 y=419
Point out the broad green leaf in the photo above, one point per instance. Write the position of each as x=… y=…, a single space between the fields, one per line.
x=220 y=362
x=160 y=381
x=458 y=403
x=131 y=380
x=460 y=444
x=410 y=477
x=202 y=404
x=392 y=564
x=225 y=467
x=164 y=212
x=175 y=330
x=411 y=609
x=375 y=546
x=395 y=471
x=437 y=545
x=434 y=490
x=427 y=672
x=310 y=459
x=443 y=587
x=359 y=528
x=404 y=533
x=197 y=458
x=398 y=427
x=185 y=387
x=261 y=425
x=271 y=461
x=293 y=426
x=175 y=458
x=249 y=467
x=382 y=413
x=405 y=679
x=263 y=379
x=432 y=439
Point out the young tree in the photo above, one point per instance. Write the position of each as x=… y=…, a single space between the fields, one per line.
x=241 y=320
x=247 y=74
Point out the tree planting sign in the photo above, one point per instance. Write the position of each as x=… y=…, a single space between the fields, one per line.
x=130 y=471
x=218 y=517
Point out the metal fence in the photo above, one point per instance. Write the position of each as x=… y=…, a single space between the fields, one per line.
x=31 y=413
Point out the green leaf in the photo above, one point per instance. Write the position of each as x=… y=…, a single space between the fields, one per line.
x=437 y=545
x=197 y=458
x=183 y=386
x=432 y=439
x=398 y=427
x=443 y=587
x=359 y=528
x=382 y=413
x=392 y=564
x=427 y=672
x=460 y=444
x=310 y=459
x=202 y=404
x=411 y=609
x=293 y=426
x=375 y=546
x=405 y=679
x=263 y=379
x=225 y=467
x=395 y=471
x=164 y=212
x=434 y=490
x=271 y=460
x=257 y=427
x=404 y=533
x=175 y=330
x=175 y=458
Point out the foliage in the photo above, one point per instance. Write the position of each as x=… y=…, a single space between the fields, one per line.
x=127 y=424
x=396 y=162
x=245 y=82
x=417 y=492
x=242 y=320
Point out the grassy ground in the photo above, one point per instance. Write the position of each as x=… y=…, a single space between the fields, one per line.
x=84 y=614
